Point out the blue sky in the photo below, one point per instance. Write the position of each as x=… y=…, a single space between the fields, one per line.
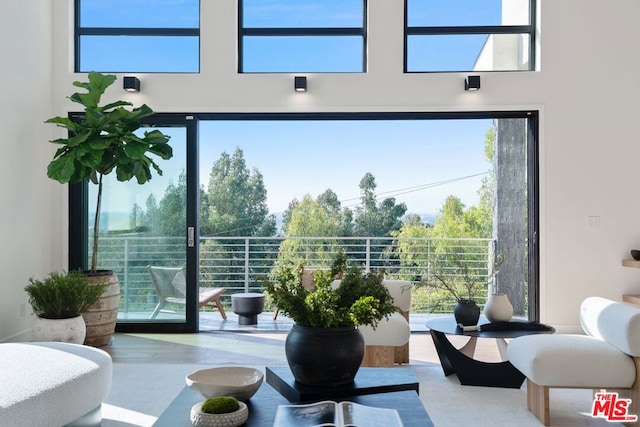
x=308 y=157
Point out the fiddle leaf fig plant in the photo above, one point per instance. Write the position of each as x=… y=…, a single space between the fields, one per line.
x=103 y=139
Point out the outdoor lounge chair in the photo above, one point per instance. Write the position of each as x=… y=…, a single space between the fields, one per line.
x=170 y=284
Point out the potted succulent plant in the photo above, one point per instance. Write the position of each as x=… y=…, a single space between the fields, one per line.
x=324 y=347
x=58 y=302
x=105 y=139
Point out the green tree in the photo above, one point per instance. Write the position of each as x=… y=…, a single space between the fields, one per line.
x=237 y=199
x=312 y=218
x=172 y=209
x=484 y=215
x=373 y=218
x=412 y=247
x=152 y=215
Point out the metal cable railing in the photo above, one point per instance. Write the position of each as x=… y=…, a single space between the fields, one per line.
x=242 y=264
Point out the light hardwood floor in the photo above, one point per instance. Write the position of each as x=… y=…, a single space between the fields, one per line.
x=238 y=347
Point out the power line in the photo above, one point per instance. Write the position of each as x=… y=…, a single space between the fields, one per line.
x=421 y=187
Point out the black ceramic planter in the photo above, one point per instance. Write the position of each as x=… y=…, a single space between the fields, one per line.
x=466 y=312
x=324 y=356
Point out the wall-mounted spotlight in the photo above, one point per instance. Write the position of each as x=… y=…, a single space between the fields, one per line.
x=131 y=84
x=300 y=83
x=472 y=83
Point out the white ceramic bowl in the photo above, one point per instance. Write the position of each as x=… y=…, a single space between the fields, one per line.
x=236 y=381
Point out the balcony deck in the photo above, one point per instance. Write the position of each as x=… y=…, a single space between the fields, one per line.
x=212 y=321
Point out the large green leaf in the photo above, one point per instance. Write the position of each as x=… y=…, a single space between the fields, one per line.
x=63 y=122
x=96 y=87
x=135 y=149
x=78 y=139
x=62 y=168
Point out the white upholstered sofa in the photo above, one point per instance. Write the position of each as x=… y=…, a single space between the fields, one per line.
x=607 y=357
x=52 y=384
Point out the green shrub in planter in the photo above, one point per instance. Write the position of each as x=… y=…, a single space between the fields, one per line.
x=63 y=296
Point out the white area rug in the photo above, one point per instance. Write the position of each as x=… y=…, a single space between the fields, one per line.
x=141 y=392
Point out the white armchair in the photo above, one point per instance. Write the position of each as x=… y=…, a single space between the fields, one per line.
x=389 y=342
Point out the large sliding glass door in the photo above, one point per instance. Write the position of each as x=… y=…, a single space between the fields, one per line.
x=219 y=213
x=143 y=237
x=391 y=190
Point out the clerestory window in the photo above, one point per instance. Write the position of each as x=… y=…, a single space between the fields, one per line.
x=302 y=36
x=148 y=36
x=464 y=35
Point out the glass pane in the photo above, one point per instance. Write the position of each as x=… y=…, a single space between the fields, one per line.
x=151 y=54
x=434 y=13
x=144 y=225
x=468 y=52
x=303 y=13
x=140 y=13
x=303 y=54
x=452 y=180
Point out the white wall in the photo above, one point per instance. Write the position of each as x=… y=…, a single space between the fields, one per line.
x=587 y=91
x=30 y=213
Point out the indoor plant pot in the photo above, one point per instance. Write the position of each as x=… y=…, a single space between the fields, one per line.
x=325 y=347
x=335 y=367
x=200 y=418
x=466 y=312
x=58 y=302
x=101 y=317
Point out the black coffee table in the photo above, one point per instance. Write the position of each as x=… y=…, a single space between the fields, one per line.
x=367 y=381
x=263 y=406
x=475 y=372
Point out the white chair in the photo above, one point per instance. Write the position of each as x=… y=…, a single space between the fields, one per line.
x=388 y=344
x=606 y=357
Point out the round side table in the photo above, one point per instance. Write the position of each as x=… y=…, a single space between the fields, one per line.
x=247 y=306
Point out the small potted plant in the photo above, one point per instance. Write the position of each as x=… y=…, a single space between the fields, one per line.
x=58 y=302
x=451 y=278
x=326 y=318
x=222 y=411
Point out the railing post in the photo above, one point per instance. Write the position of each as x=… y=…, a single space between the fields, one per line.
x=126 y=275
x=246 y=264
x=367 y=261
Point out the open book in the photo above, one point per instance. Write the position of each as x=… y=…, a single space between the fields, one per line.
x=328 y=413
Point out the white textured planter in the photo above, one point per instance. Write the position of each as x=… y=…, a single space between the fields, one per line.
x=498 y=308
x=232 y=419
x=71 y=330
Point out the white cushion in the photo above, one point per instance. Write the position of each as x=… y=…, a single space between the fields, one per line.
x=394 y=331
x=51 y=384
x=566 y=360
x=400 y=290
x=614 y=322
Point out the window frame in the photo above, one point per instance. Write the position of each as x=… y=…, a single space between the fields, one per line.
x=299 y=32
x=78 y=193
x=80 y=31
x=529 y=29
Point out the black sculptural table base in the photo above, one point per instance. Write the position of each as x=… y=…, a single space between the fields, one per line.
x=471 y=371
x=475 y=372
